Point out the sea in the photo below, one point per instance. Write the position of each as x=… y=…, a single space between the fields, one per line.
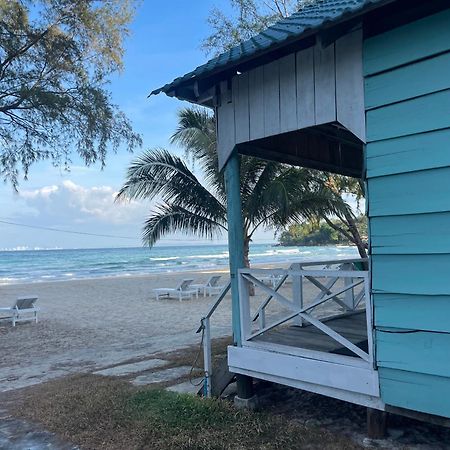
x=33 y=266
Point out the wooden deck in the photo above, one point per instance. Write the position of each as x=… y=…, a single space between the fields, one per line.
x=351 y=326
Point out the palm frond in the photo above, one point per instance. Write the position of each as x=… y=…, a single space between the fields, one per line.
x=196 y=134
x=168 y=219
x=160 y=174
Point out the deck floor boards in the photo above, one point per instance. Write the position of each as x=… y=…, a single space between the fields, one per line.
x=352 y=327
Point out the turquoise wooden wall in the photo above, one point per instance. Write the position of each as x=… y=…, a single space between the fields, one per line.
x=407 y=101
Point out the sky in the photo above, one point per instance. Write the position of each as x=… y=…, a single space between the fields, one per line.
x=164 y=43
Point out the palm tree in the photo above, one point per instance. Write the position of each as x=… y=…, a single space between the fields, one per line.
x=273 y=194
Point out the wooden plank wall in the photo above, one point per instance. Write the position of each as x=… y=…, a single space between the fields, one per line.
x=407 y=101
x=311 y=87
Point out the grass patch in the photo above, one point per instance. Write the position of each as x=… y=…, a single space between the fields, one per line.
x=103 y=413
x=180 y=411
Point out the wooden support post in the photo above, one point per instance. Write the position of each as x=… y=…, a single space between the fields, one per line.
x=297 y=293
x=235 y=237
x=244 y=386
x=376 y=423
x=349 y=296
x=207 y=356
x=236 y=255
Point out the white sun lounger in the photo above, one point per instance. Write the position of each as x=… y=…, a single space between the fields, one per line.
x=272 y=280
x=210 y=287
x=183 y=290
x=23 y=310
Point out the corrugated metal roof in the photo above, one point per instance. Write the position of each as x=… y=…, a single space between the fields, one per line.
x=309 y=19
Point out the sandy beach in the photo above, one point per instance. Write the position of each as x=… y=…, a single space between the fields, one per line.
x=85 y=325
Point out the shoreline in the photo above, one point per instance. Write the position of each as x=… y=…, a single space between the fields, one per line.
x=56 y=266
x=219 y=269
x=169 y=273
x=89 y=324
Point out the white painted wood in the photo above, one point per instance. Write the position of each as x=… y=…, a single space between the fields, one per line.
x=359 y=298
x=267 y=300
x=332 y=262
x=326 y=290
x=312 y=87
x=328 y=273
x=288 y=94
x=297 y=293
x=226 y=133
x=284 y=275
x=272 y=325
x=271 y=88
x=241 y=107
x=207 y=355
x=336 y=336
x=286 y=303
x=205 y=327
x=262 y=318
x=307 y=353
x=218 y=300
x=305 y=88
x=350 y=84
x=369 y=319
x=244 y=305
x=332 y=296
x=352 y=397
x=325 y=87
x=256 y=103
x=353 y=379
x=349 y=297
x=302 y=313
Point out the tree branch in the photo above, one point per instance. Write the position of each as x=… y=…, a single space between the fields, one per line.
x=339 y=229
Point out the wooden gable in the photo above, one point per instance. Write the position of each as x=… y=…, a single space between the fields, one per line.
x=314 y=87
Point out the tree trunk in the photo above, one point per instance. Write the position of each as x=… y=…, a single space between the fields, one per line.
x=355 y=234
x=351 y=233
x=246 y=252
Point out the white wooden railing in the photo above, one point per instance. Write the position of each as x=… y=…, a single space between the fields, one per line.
x=340 y=282
x=205 y=328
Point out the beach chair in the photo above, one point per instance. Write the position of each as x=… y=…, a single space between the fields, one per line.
x=210 y=287
x=272 y=280
x=183 y=290
x=23 y=310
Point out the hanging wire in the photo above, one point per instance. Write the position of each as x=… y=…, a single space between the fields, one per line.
x=194 y=364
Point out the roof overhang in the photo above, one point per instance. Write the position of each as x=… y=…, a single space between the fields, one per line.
x=325 y=20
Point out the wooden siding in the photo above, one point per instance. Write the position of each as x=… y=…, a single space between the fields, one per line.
x=417 y=391
x=407 y=101
x=315 y=86
x=410 y=43
x=408 y=153
x=388 y=234
x=407 y=311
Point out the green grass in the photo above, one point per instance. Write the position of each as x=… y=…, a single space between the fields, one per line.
x=181 y=411
x=103 y=413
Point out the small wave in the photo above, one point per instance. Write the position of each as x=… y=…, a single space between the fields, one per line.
x=13 y=280
x=167 y=258
x=216 y=255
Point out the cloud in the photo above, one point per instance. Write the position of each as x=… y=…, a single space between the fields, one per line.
x=72 y=202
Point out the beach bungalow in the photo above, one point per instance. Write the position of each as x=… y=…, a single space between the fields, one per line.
x=359 y=88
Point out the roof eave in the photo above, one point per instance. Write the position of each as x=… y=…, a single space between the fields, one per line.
x=187 y=82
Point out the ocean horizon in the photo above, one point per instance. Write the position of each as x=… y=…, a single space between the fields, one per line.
x=32 y=266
